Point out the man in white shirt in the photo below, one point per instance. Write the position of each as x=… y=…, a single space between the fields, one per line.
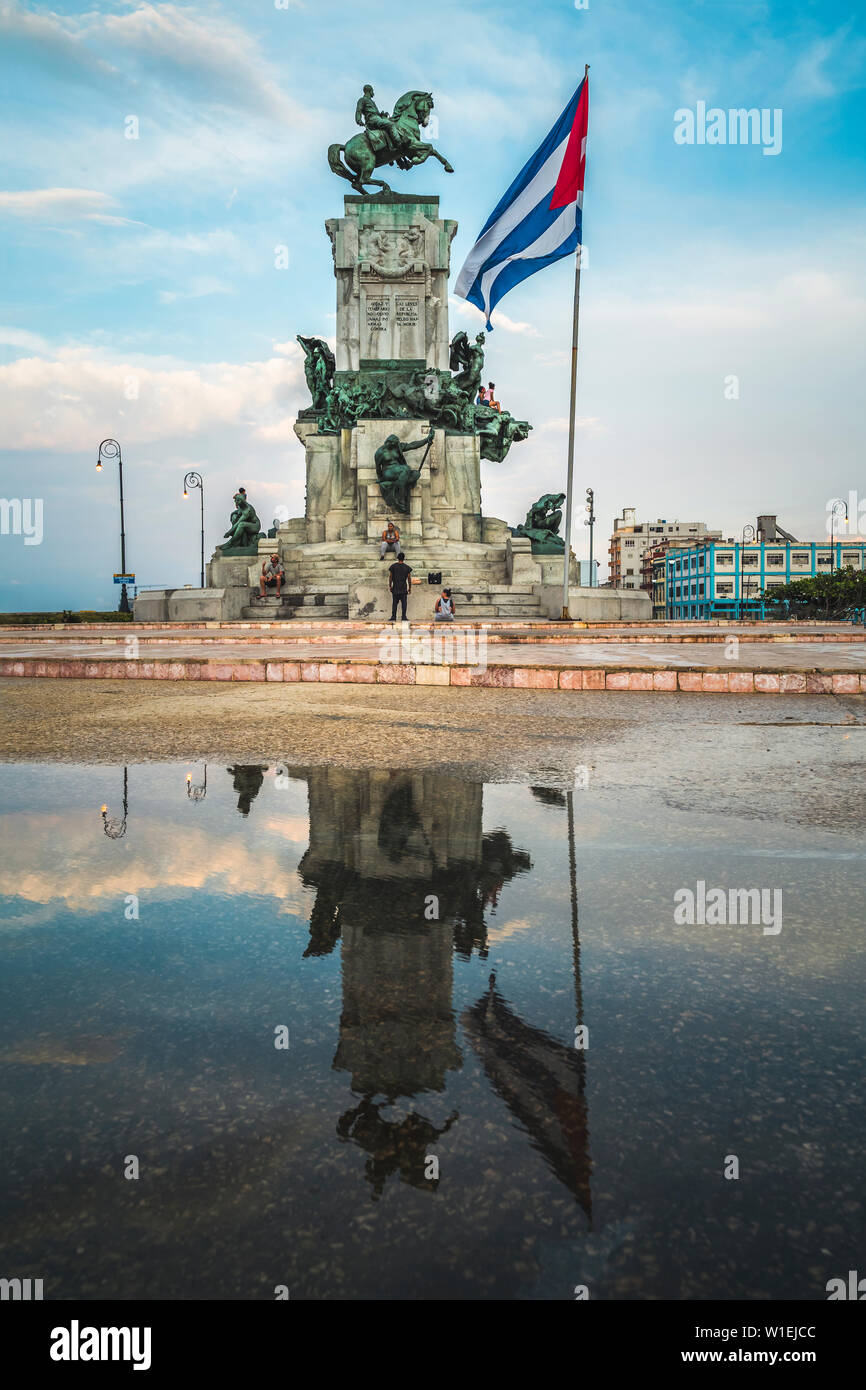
x=272 y=575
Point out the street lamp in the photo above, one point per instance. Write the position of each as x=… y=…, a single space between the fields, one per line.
x=196 y=480
x=749 y=534
x=115 y=826
x=836 y=509
x=196 y=791
x=590 y=521
x=110 y=449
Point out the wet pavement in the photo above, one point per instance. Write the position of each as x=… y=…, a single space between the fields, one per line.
x=746 y=656
x=331 y=1010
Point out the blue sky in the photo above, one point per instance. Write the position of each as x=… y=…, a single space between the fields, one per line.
x=141 y=298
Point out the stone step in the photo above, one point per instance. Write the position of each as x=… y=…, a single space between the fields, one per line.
x=428 y=555
x=304 y=614
x=344 y=582
x=323 y=574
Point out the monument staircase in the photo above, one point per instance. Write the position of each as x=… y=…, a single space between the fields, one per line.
x=320 y=579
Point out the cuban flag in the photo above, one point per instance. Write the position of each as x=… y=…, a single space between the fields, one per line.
x=539 y=219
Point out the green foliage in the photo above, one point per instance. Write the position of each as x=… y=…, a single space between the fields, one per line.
x=34 y=619
x=823 y=596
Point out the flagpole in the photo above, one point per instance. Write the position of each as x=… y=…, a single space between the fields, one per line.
x=566 y=616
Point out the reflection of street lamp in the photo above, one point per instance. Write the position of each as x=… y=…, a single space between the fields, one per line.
x=199 y=791
x=110 y=449
x=590 y=521
x=196 y=480
x=748 y=536
x=834 y=512
x=114 y=827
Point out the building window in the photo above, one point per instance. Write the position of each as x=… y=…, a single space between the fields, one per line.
x=750 y=560
x=776 y=560
x=724 y=557
x=725 y=590
x=851 y=557
x=801 y=559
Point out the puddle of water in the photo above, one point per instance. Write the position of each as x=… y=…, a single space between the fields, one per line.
x=331 y=1017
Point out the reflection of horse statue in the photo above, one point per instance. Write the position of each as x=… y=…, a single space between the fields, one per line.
x=397 y=141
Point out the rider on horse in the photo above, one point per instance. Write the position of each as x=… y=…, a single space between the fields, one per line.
x=367 y=114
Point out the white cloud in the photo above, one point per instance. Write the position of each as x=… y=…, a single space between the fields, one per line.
x=198 y=289
x=465 y=310
x=63 y=204
x=830 y=66
x=60 y=402
x=21 y=338
x=202 y=46
x=46 y=37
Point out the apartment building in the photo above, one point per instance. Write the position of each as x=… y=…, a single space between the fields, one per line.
x=632 y=540
x=718 y=579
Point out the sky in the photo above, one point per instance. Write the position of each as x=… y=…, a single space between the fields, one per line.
x=722 y=297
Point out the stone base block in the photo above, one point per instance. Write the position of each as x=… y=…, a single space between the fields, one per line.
x=596 y=605
x=207 y=605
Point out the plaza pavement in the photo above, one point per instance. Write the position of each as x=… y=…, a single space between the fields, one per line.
x=765 y=659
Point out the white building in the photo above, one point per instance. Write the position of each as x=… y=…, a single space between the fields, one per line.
x=632 y=539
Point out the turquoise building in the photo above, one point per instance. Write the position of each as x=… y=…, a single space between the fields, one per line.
x=725 y=579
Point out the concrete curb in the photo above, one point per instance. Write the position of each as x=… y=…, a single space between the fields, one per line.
x=499 y=677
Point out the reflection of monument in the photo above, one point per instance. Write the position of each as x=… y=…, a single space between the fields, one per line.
x=394 y=1146
x=402 y=872
x=386 y=848
x=247 y=782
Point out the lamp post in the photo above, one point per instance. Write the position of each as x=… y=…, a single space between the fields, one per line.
x=836 y=509
x=590 y=521
x=196 y=480
x=115 y=826
x=196 y=791
x=110 y=449
x=749 y=534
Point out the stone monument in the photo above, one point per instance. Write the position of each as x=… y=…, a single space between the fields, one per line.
x=396 y=383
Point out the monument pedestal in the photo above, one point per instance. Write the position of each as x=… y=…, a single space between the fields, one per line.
x=390 y=377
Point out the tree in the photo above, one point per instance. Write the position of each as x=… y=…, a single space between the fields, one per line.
x=822 y=596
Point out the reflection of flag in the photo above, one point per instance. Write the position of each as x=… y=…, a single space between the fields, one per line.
x=539 y=219
x=541 y=1081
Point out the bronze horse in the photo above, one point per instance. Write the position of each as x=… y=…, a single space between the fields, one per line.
x=373 y=148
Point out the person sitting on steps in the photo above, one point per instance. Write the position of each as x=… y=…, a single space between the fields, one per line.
x=390 y=539
x=273 y=575
x=399 y=582
x=444 y=610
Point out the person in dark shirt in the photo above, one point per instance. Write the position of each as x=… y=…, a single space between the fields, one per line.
x=399 y=582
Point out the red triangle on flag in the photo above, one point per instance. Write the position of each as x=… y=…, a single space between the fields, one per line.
x=570 y=181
